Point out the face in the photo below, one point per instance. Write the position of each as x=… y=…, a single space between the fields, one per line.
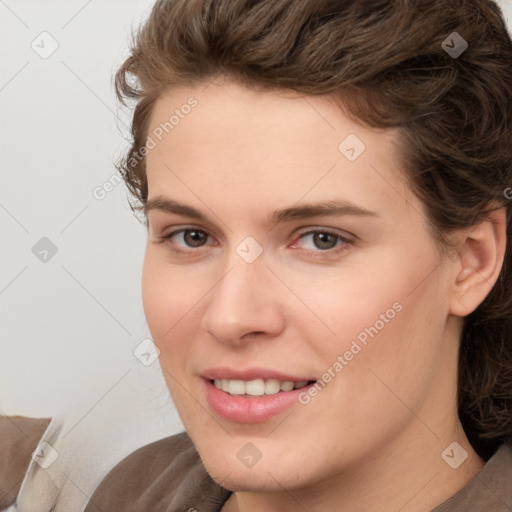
x=284 y=244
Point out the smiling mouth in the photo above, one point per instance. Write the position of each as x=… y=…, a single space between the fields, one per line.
x=258 y=387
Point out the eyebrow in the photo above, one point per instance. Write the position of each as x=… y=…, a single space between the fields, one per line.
x=335 y=207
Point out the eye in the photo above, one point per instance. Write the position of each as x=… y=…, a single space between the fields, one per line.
x=315 y=242
x=321 y=240
x=187 y=238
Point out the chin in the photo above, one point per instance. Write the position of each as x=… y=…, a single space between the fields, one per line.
x=253 y=480
x=270 y=473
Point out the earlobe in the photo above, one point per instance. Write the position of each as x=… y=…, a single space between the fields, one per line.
x=480 y=263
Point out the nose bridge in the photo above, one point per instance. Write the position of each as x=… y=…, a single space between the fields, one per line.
x=242 y=301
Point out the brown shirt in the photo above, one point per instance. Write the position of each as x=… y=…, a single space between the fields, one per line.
x=168 y=476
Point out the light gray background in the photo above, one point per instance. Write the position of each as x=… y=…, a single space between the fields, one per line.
x=70 y=325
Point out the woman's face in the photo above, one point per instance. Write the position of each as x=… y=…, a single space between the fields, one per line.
x=285 y=245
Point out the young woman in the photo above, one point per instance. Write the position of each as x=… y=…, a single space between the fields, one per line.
x=328 y=267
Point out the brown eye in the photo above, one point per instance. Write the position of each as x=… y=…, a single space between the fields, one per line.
x=187 y=238
x=194 y=237
x=322 y=243
x=325 y=240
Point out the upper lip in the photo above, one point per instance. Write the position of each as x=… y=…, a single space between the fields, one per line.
x=250 y=374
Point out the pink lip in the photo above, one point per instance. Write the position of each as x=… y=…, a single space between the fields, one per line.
x=250 y=409
x=250 y=374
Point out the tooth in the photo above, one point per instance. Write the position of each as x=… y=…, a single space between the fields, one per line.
x=287 y=385
x=236 y=387
x=255 y=387
x=272 y=386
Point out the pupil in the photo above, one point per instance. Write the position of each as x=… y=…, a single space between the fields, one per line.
x=324 y=240
x=194 y=238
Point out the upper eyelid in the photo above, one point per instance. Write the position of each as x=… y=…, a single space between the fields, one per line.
x=300 y=231
x=332 y=231
x=176 y=230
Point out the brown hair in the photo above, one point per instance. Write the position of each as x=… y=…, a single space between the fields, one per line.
x=386 y=63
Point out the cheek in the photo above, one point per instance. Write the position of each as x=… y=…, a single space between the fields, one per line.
x=157 y=296
x=347 y=303
x=169 y=298
x=377 y=318
x=163 y=311
x=169 y=295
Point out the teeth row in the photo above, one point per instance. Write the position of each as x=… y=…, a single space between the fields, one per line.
x=257 y=387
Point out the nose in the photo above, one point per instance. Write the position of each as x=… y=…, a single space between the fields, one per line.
x=243 y=305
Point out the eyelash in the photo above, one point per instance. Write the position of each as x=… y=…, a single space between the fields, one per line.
x=337 y=249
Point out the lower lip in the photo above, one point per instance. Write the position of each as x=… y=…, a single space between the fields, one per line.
x=250 y=409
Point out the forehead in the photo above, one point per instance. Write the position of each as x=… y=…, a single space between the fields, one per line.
x=261 y=149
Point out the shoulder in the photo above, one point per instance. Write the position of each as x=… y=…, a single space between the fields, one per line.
x=165 y=475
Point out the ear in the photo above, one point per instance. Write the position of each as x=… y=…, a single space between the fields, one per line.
x=479 y=264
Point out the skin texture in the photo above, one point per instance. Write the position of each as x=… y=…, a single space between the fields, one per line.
x=372 y=439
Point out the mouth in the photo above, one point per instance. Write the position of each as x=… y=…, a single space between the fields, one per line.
x=258 y=387
x=248 y=401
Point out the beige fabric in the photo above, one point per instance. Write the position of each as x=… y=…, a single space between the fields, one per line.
x=86 y=450
x=168 y=476
x=19 y=437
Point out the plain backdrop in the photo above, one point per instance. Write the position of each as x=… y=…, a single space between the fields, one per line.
x=71 y=250
x=71 y=309
x=71 y=259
